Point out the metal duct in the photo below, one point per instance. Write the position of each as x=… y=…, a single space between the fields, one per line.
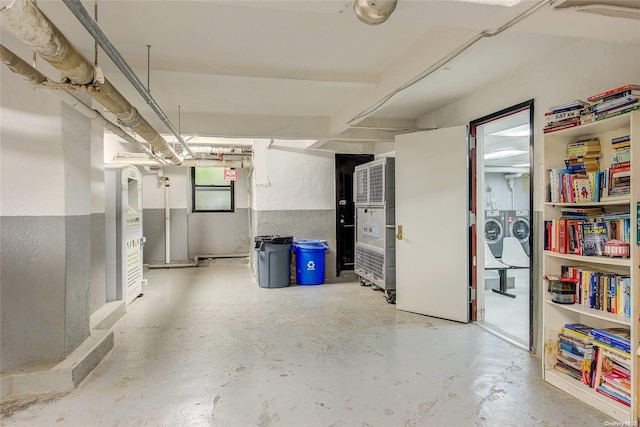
x=373 y=12
x=34 y=29
x=21 y=67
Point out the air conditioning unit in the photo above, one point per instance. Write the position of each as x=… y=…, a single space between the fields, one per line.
x=375 y=247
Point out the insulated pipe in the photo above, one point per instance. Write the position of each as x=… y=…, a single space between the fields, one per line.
x=34 y=29
x=92 y=27
x=200 y=163
x=21 y=67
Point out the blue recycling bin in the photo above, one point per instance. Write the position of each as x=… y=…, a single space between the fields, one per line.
x=310 y=261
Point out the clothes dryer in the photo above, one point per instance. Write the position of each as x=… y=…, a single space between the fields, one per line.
x=495 y=231
x=518 y=226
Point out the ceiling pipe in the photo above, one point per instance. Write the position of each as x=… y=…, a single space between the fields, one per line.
x=34 y=29
x=200 y=163
x=213 y=149
x=92 y=27
x=21 y=67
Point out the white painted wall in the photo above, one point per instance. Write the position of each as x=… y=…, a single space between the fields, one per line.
x=502 y=193
x=153 y=192
x=31 y=156
x=180 y=188
x=290 y=177
x=97 y=168
x=574 y=70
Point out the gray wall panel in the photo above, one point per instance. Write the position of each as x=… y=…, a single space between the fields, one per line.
x=219 y=233
x=97 y=283
x=153 y=230
x=303 y=224
x=78 y=263
x=32 y=290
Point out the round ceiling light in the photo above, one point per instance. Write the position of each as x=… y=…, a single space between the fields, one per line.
x=373 y=12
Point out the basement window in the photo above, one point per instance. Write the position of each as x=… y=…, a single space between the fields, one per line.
x=210 y=192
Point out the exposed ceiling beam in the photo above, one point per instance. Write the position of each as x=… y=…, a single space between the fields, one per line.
x=278 y=127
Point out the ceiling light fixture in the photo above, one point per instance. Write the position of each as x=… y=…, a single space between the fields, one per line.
x=522 y=130
x=373 y=12
x=503 y=154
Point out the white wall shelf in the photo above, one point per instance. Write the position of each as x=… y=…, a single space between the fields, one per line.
x=601 y=260
x=591 y=312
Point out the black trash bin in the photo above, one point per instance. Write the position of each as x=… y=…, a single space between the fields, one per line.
x=273 y=260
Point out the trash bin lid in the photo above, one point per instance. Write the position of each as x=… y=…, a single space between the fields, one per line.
x=275 y=239
x=311 y=244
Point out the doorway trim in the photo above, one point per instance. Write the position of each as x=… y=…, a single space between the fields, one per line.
x=473 y=207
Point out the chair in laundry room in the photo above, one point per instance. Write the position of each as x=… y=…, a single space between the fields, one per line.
x=494 y=269
x=512 y=253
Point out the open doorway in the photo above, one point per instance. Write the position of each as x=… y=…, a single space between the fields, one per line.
x=502 y=196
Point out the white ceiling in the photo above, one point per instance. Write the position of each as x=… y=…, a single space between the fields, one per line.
x=305 y=69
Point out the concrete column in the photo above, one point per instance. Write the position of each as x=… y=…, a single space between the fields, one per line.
x=45 y=175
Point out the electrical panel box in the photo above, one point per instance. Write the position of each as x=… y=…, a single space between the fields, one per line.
x=375 y=247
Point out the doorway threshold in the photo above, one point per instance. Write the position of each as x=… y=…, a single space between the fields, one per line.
x=502 y=334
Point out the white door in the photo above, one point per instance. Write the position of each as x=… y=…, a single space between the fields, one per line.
x=431 y=207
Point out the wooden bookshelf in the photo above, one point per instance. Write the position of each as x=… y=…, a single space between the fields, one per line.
x=555 y=316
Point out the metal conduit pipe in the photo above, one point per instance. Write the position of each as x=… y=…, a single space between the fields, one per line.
x=446 y=59
x=34 y=29
x=21 y=67
x=92 y=27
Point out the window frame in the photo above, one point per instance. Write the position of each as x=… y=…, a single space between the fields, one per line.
x=230 y=188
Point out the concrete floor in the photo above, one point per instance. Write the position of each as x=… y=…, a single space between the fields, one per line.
x=207 y=346
x=511 y=315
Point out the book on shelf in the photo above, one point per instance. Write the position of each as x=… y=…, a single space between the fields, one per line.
x=627 y=104
x=602 y=391
x=579 y=331
x=594 y=235
x=617 y=101
x=621 y=155
x=577 y=104
x=548 y=129
x=581 y=185
x=551 y=117
x=584 y=149
x=583 y=157
x=624 y=141
x=568 y=370
x=616 y=337
x=587 y=142
x=585 y=212
x=618 y=382
x=616 y=112
x=607 y=93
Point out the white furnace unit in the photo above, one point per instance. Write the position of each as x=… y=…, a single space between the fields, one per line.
x=123 y=222
x=374 y=197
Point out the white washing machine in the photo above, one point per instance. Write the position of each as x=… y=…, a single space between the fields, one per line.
x=518 y=226
x=494 y=231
